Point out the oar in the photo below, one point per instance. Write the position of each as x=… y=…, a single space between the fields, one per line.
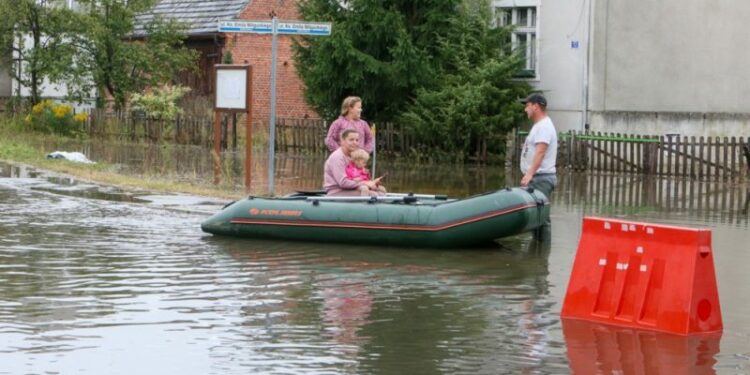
x=374 y=149
x=380 y=198
x=422 y=196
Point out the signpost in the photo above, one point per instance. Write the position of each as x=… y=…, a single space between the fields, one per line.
x=233 y=94
x=275 y=27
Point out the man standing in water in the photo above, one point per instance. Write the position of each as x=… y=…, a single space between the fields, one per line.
x=539 y=154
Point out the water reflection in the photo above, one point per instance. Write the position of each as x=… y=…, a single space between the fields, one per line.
x=387 y=310
x=81 y=279
x=629 y=194
x=601 y=349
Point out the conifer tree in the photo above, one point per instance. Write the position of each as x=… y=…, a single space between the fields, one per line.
x=437 y=66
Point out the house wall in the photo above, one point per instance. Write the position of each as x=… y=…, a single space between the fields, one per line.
x=561 y=54
x=4 y=80
x=49 y=90
x=201 y=80
x=561 y=63
x=665 y=66
x=255 y=49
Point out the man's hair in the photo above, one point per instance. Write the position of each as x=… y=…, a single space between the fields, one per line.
x=347 y=132
x=348 y=104
x=360 y=154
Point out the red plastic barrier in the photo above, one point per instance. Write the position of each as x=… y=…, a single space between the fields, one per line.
x=646 y=276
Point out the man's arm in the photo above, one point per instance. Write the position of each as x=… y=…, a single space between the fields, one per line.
x=541 y=149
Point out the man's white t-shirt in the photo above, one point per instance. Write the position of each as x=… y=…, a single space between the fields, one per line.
x=542 y=132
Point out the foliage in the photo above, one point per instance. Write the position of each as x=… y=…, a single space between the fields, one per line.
x=96 y=47
x=38 y=35
x=160 y=103
x=121 y=60
x=477 y=97
x=438 y=65
x=50 y=117
x=382 y=51
x=227 y=58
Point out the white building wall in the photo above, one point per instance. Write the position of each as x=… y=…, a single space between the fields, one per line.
x=563 y=24
x=50 y=90
x=669 y=66
x=561 y=51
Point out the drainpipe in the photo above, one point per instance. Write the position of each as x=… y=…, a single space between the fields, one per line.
x=586 y=58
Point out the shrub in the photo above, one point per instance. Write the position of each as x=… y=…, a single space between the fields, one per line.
x=50 y=117
x=160 y=103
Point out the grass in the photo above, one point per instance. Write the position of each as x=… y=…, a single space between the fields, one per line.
x=18 y=145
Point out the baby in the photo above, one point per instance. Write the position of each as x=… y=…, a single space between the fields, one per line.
x=357 y=171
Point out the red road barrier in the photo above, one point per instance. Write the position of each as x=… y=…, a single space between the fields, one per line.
x=642 y=275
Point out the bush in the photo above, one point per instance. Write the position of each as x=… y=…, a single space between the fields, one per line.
x=160 y=103
x=50 y=117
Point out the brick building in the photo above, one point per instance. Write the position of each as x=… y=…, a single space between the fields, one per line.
x=202 y=18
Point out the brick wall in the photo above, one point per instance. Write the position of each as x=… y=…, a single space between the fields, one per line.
x=255 y=49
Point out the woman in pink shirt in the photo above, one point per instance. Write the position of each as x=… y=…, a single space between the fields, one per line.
x=351 y=109
x=335 y=179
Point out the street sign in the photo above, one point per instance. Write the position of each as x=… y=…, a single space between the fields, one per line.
x=283 y=27
x=275 y=27
x=257 y=27
x=304 y=28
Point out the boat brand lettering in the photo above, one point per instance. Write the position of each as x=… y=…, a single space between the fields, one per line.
x=254 y=211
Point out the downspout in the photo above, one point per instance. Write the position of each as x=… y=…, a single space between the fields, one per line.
x=586 y=59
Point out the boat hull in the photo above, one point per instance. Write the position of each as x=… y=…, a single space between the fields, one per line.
x=426 y=223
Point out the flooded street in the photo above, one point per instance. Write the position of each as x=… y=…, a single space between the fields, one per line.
x=98 y=281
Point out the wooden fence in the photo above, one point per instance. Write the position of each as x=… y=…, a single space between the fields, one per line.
x=698 y=158
x=309 y=136
x=124 y=125
x=292 y=135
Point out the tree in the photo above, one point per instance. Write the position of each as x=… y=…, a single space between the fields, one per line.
x=438 y=66
x=477 y=95
x=380 y=50
x=36 y=34
x=119 y=63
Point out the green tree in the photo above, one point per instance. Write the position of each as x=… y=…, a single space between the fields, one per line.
x=380 y=50
x=477 y=95
x=36 y=33
x=438 y=66
x=121 y=62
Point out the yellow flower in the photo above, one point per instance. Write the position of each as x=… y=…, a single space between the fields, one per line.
x=61 y=111
x=81 y=117
x=27 y=119
x=38 y=108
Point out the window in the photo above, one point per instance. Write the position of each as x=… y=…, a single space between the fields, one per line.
x=523 y=39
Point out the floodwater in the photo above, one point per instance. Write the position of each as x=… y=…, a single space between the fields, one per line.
x=100 y=281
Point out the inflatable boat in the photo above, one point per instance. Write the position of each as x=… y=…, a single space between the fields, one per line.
x=396 y=219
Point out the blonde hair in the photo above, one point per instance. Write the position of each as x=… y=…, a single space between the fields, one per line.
x=349 y=103
x=360 y=154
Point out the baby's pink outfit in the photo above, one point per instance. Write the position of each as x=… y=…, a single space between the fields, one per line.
x=352 y=172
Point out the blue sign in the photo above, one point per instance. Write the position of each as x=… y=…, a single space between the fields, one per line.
x=283 y=27
x=574 y=44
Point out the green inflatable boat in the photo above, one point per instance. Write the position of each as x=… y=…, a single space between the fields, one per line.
x=396 y=219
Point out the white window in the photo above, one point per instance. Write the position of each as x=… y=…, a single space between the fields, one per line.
x=523 y=38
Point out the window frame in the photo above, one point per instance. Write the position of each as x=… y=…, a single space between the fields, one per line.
x=531 y=31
